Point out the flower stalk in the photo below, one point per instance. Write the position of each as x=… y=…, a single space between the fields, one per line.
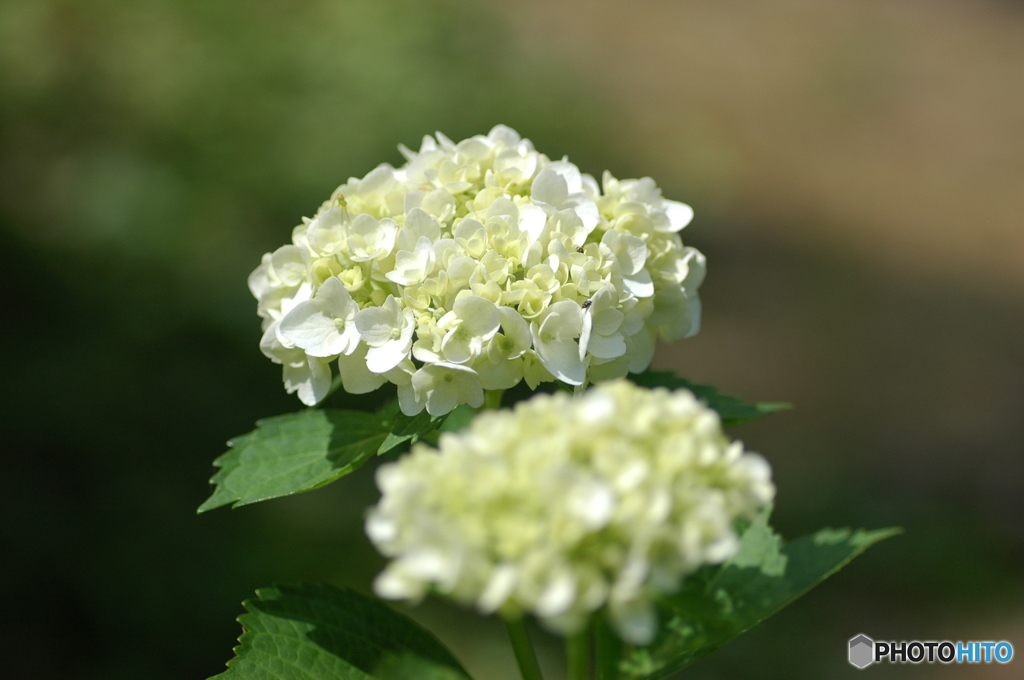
x=492 y=399
x=526 y=658
x=577 y=653
x=607 y=650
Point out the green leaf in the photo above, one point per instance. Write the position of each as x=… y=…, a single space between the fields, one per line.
x=407 y=429
x=293 y=453
x=318 y=632
x=719 y=603
x=459 y=419
x=732 y=410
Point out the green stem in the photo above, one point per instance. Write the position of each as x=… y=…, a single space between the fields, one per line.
x=577 y=654
x=525 y=656
x=492 y=399
x=608 y=650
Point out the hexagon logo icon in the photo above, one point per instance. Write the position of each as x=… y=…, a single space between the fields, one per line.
x=862 y=651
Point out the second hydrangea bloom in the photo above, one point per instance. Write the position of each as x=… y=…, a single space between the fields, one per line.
x=472 y=267
x=564 y=506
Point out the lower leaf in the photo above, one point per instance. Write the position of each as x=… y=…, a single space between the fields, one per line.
x=318 y=632
x=717 y=604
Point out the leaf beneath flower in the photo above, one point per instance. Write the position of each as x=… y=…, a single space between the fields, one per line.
x=318 y=632
x=459 y=419
x=303 y=451
x=292 y=453
x=733 y=411
x=407 y=429
x=719 y=603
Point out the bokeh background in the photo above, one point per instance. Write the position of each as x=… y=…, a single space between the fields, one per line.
x=857 y=170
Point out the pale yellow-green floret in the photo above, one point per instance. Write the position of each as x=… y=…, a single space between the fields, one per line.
x=567 y=505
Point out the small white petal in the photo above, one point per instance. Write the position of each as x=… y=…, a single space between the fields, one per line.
x=558 y=595
x=385 y=357
x=514 y=326
x=499 y=588
x=309 y=329
x=562 y=358
x=356 y=378
x=607 y=346
x=639 y=284
x=376 y=325
x=550 y=187
x=585 y=333
x=442 y=399
x=679 y=214
x=479 y=316
x=312 y=383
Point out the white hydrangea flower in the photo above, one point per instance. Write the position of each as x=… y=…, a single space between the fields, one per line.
x=483 y=254
x=563 y=506
x=323 y=326
x=387 y=330
x=440 y=387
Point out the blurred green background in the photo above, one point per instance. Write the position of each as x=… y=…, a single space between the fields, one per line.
x=857 y=170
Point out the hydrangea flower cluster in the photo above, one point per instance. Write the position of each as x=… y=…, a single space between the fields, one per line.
x=565 y=505
x=472 y=267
